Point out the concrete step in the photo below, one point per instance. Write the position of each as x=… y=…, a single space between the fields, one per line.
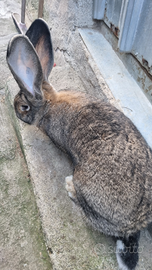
x=128 y=95
x=22 y=244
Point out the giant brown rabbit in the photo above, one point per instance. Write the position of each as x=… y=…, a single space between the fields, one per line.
x=112 y=163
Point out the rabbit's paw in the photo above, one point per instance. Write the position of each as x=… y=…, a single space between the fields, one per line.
x=70 y=187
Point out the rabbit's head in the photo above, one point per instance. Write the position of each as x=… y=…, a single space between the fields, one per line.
x=30 y=59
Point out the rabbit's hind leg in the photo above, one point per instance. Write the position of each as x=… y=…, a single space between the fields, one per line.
x=70 y=187
x=127 y=251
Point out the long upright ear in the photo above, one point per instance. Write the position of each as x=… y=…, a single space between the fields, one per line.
x=39 y=35
x=25 y=66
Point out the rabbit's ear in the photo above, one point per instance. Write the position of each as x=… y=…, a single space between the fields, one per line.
x=39 y=35
x=25 y=66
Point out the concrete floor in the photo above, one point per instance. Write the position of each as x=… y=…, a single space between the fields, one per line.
x=22 y=243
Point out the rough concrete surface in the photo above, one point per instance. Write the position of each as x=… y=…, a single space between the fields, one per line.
x=22 y=243
x=71 y=243
x=21 y=240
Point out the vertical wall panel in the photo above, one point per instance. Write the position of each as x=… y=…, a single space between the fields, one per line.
x=131 y=22
x=112 y=14
x=99 y=9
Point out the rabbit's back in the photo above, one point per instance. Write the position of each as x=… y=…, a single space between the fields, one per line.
x=113 y=169
x=112 y=163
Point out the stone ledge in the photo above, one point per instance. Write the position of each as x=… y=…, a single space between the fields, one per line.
x=127 y=93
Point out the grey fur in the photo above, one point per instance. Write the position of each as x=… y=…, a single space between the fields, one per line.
x=112 y=164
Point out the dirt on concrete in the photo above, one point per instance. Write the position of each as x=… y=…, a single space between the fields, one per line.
x=22 y=243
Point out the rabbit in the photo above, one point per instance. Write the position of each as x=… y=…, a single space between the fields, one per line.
x=112 y=163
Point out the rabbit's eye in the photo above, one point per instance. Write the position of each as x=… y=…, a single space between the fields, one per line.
x=25 y=108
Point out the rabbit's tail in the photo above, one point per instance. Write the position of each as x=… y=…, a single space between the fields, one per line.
x=127 y=251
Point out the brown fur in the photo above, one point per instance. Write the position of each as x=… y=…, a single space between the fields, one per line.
x=68 y=97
